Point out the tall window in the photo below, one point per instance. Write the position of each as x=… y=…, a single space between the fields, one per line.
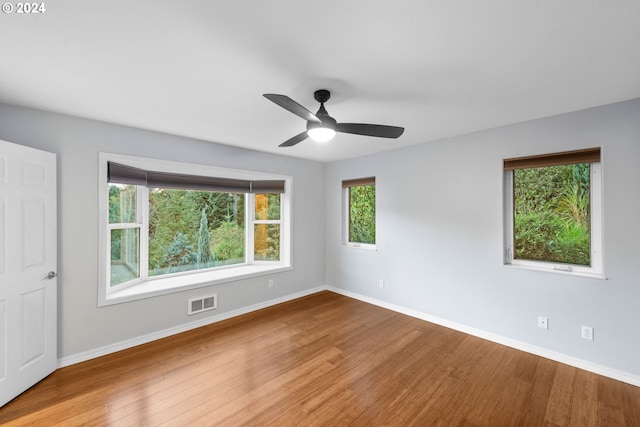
x=125 y=229
x=266 y=225
x=359 y=197
x=552 y=211
x=169 y=225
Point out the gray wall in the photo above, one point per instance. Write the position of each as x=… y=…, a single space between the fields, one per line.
x=440 y=231
x=439 y=248
x=83 y=326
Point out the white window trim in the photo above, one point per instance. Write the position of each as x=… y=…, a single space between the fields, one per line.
x=596 y=269
x=250 y=206
x=139 y=289
x=345 y=224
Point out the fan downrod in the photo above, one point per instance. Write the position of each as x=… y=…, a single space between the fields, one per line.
x=322 y=95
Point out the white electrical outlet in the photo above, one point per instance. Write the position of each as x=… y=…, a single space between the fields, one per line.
x=587 y=332
x=271 y=283
x=543 y=322
x=381 y=284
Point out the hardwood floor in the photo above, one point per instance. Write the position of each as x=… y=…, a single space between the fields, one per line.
x=324 y=360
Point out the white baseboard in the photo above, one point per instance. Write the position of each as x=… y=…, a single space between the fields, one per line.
x=122 y=345
x=519 y=345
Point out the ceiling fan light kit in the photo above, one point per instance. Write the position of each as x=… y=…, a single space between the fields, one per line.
x=321 y=133
x=322 y=127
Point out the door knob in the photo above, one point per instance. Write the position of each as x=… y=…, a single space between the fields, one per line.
x=51 y=275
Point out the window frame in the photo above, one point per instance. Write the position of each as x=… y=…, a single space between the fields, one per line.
x=595 y=269
x=251 y=205
x=145 y=286
x=138 y=224
x=347 y=184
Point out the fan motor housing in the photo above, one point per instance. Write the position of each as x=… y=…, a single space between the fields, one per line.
x=327 y=122
x=321 y=95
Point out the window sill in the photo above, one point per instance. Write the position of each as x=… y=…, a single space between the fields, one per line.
x=155 y=287
x=364 y=246
x=557 y=271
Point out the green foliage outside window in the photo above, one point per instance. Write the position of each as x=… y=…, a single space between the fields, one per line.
x=362 y=214
x=179 y=255
x=552 y=214
x=114 y=217
x=203 y=256
x=188 y=229
x=228 y=242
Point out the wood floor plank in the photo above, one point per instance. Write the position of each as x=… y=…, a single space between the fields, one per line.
x=324 y=360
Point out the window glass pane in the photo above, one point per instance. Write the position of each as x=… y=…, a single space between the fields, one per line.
x=267 y=206
x=552 y=219
x=122 y=203
x=193 y=230
x=362 y=214
x=267 y=242
x=125 y=255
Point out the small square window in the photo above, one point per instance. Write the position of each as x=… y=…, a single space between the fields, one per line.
x=552 y=212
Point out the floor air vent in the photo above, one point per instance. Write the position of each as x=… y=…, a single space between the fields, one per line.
x=200 y=304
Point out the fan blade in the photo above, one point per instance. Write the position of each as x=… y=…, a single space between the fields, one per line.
x=292 y=106
x=381 y=131
x=293 y=141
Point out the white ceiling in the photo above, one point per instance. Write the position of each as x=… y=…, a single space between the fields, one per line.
x=198 y=68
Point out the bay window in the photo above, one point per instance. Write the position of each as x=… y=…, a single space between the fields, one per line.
x=170 y=226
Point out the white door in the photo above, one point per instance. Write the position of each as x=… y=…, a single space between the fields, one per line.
x=28 y=284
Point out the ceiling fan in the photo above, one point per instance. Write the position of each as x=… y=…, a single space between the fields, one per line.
x=322 y=127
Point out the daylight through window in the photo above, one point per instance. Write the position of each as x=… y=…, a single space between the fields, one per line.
x=167 y=225
x=360 y=212
x=553 y=211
